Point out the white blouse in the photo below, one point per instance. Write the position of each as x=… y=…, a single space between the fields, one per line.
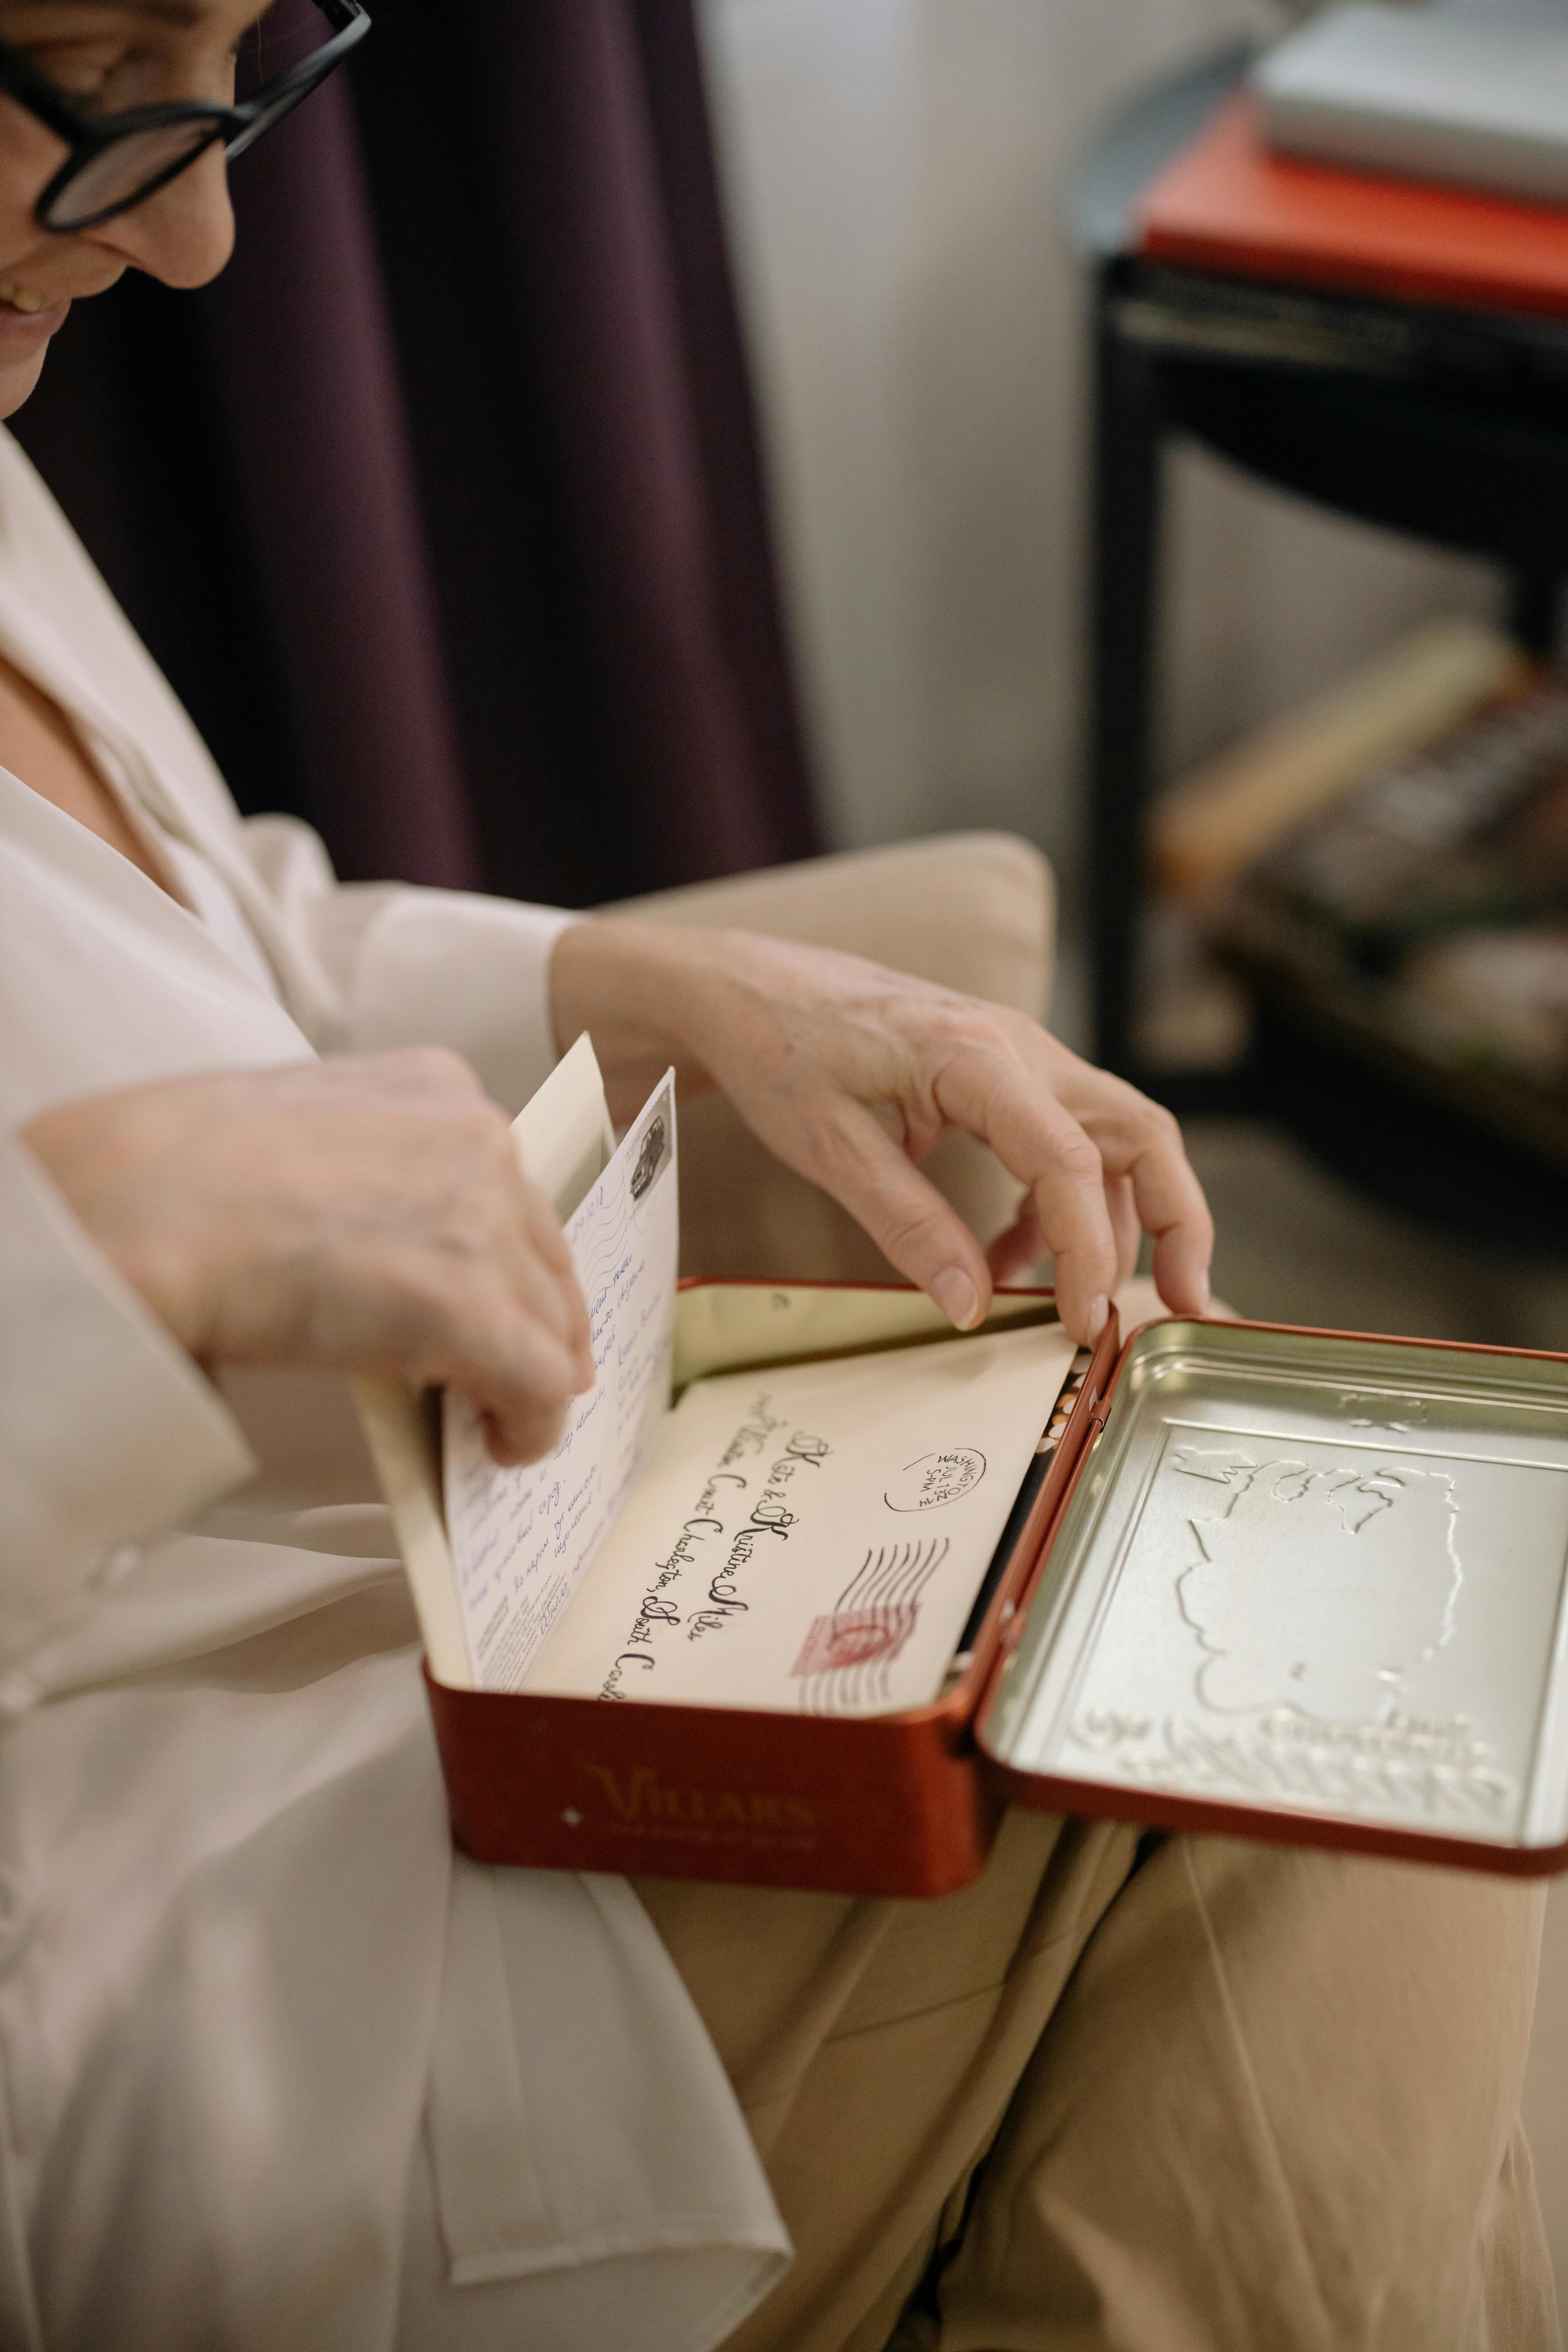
x=240 y=1968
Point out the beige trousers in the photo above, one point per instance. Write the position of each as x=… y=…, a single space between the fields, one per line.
x=1199 y=2096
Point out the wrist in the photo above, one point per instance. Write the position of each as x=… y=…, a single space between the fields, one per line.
x=645 y=993
x=93 y=1157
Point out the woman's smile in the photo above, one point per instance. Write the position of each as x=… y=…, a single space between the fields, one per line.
x=29 y=315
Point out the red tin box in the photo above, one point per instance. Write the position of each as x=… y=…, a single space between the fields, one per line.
x=1294 y=1585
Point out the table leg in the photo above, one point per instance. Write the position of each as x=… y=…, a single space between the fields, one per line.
x=1125 y=555
x=1535 y=611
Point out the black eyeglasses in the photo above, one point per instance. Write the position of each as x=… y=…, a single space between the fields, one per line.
x=118 y=160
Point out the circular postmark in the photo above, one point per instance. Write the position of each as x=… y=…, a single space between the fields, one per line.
x=934 y=1479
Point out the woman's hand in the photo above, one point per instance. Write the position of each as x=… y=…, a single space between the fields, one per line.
x=363 y=1216
x=849 y=1073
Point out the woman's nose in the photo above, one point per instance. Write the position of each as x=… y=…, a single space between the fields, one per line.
x=185 y=233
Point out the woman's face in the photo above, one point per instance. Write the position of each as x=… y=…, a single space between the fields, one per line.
x=107 y=55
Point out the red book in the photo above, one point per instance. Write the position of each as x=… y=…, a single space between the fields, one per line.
x=1227 y=203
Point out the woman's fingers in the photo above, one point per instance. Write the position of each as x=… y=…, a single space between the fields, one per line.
x=993 y=1095
x=1020 y=1246
x=1122 y=1206
x=806 y=1043
x=1018 y=1249
x=1100 y=1162
x=857 y=1162
x=927 y=1239
x=1140 y=1141
x=361 y=1215
x=542 y=1356
x=545 y=1278
x=1103 y=1163
x=494 y=1309
x=519 y=1378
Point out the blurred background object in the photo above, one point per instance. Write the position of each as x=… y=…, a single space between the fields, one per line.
x=1210 y=826
x=1451 y=90
x=442 y=507
x=899 y=176
x=1397 y=352
x=1421 y=915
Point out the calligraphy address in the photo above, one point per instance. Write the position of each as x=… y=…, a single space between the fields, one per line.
x=746 y=1506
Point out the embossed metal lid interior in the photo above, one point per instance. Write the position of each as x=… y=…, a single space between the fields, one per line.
x=1315 y=1575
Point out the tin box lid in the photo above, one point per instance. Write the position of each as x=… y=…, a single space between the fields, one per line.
x=1306 y=1585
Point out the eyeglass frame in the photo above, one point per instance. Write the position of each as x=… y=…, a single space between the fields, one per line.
x=88 y=135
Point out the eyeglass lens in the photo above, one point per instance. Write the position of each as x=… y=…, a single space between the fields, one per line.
x=120 y=173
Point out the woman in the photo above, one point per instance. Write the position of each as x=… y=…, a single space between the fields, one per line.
x=277 y=2070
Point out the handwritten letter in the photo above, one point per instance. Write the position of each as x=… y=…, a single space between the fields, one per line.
x=524 y=1538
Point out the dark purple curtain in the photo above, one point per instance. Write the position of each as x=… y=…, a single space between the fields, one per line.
x=443 y=508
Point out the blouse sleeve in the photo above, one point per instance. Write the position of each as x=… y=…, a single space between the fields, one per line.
x=418 y=967
x=109 y=1433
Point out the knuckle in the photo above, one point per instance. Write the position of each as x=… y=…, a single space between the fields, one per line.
x=1074 y=1157
x=442 y=1297
x=827 y=1144
x=1162 y=1126
x=981 y=1029
x=910 y=1231
x=418 y=1323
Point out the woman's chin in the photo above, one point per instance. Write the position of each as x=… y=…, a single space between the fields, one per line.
x=24 y=337
x=19 y=372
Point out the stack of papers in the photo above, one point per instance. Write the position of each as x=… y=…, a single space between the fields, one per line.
x=1476 y=95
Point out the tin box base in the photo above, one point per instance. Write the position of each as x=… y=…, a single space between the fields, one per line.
x=892 y=1804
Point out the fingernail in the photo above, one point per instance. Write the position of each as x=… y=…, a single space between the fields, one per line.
x=1204 y=1291
x=1095 y=1320
x=957 y=1298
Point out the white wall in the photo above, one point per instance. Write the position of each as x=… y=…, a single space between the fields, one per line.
x=896 y=173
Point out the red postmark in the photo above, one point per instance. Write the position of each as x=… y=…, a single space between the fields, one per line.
x=855 y=1637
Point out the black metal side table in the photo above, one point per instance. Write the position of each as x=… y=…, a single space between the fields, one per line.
x=1449 y=425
